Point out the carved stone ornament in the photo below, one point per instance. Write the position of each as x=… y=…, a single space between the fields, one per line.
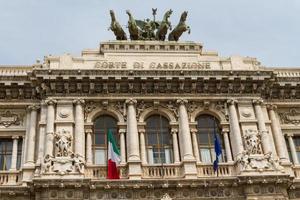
x=252 y=141
x=64 y=113
x=291 y=117
x=8 y=118
x=252 y=159
x=171 y=106
x=65 y=161
x=88 y=108
x=246 y=113
x=63 y=143
x=141 y=106
x=166 y=196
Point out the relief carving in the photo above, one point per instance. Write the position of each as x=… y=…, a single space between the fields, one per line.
x=88 y=108
x=252 y=158
x=291 y=117
x=8 y=118
x=246 y=113
x=65 y=161
x=64 y=113
x=252 y=141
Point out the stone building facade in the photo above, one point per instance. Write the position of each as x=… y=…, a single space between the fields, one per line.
x=164 y=102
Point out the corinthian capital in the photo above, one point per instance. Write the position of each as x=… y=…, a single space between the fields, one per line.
x=78 y=101
x=182 y=101
x=50 y=101
x=271 y=107
x=130 y=101
x=258 y=102
x=33 y=107
x=232 y=101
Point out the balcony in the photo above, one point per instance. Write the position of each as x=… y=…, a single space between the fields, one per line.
x=10 y=178
x=100 y=171
x=166 y=171
x=224 y=170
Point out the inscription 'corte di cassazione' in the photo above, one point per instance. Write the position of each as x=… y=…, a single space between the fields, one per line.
x=154 y=65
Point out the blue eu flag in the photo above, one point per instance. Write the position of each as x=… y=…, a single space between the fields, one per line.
x=218 y=151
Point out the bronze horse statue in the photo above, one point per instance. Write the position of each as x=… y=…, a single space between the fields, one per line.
x=116 y=27
x=180 y=28
x=164 y=26
x=135 y=33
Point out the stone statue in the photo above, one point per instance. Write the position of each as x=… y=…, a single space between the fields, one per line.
x=116 y=27
x=180 y=28
x=135 y=33
x=164 y=26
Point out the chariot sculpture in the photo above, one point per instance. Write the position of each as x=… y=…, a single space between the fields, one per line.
x=149 y=29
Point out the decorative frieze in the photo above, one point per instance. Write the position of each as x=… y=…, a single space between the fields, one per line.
x=290 y=117
x=8 y=118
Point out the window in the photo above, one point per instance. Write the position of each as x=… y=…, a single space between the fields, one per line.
x=158 y=140
x=6 y=147
x=101 y=126
x=5 y=153
x=296 y=140
x=207 y=126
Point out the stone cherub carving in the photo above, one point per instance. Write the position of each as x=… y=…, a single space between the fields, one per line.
x=252 y=141
x=63 y=143
x=65 y=161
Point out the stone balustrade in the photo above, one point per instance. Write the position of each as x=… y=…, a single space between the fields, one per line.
x=162 y=171
x=10 y=178
x=206 y=170
x=100 y=171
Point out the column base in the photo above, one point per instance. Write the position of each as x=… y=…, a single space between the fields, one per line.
x=134 y=170
x=190 y=169
x=28 y=172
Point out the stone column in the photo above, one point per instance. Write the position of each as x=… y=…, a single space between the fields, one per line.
x=227 y=146
x=188 y=159
x=293 y=149
x=122 y=146
x=25 y=138
x=278 y=136
x=236 y=137
x=175 y=146
x=14 y=153
x=133 y=152
x=195 y=144
x=23 y=150
x=79 y=138
x=143 y=146
x=42 y=130
x=89 y=152
x=185 y=134
x=32 y=135
x=50 y=127
x=267 y=147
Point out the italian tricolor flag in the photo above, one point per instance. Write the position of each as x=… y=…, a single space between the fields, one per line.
x=113 y=157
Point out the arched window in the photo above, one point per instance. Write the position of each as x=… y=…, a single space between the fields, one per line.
x=158 y=140
x=102 y=125
x=207 y=126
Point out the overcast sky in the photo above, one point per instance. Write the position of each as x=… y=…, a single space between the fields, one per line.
x=266 y=29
